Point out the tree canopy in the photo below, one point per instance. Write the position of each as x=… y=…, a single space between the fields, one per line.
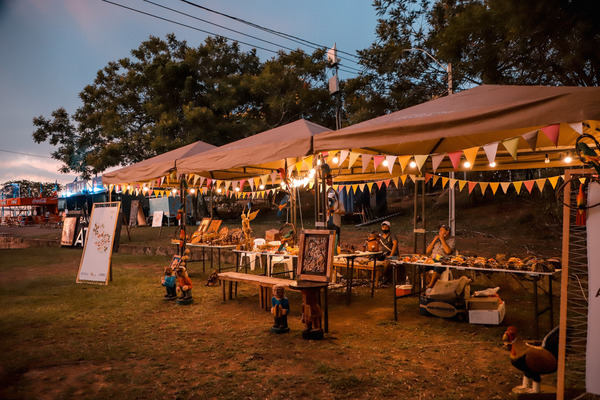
x=169 y=94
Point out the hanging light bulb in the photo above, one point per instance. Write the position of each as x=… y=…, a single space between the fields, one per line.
x=319 y=161
x=174 y=191
x=335 y=160
x=219 y=190
x=493 y=164
x=547 y=159
x=385 y=163
x=237 y=189
x=311 y=173
x=262 y=187
x=145 y=189
x=413 y=164
x=568 y=158
x=192 y=191
x=467 y=164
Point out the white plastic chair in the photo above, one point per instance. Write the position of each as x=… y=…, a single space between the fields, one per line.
x=253 y=258
x=446 y=275
x=287 y=261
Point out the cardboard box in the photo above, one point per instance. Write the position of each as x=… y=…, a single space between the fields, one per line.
x=484 y=303
x=456 y=308
x=488 y=317
x=403 y=290
x=272 y=235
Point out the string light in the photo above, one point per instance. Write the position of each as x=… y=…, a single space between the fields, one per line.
x=467 y=164
x=262 y=187
x=237 y=189
x=219 y=190
x=385 y=163
x=413 y=164
x=493 y=164
x=568 y=158
x=547 y=159
x=335 y=160
x=192 y=191
x=174 y=191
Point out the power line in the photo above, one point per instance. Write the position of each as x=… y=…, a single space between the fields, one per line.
x=24 y=154
x=269 y=30
x=186 y=26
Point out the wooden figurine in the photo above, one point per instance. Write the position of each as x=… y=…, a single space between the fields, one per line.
x=246 y=218
x=184 y=287
x=169 y=282
x=280 y=308
x=311 y=315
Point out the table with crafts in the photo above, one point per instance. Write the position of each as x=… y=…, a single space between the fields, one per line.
x=349 y=259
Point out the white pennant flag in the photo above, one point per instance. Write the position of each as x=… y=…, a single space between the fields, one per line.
x=490 y=151
x=436 y=160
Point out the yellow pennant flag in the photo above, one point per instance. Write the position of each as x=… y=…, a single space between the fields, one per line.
x=308 y=162
x=420 y=160
x=471 y=154
x=354 y=188
x=353 y=157
x=517 y=186
x=335 y=187
x=494 y=186
x=361 y=186
x=582 y=180
x=370 y=186
x=483 y=186
x=512 y=145
x=395 y=180
x=256 y=181
x=505 y=186
x=553 y=181
x=540 y=183
x=403 y=161
x=298 y=165
x=445 y=181
x=196 y=177
x=263 y=179
x=461 y=184
x=435 y=178
x=403 y=177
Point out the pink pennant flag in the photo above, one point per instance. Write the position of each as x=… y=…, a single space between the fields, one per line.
x=366 y=158
x=340 y=188
x=202 y=179
x=436 y=160
x=529 y=185
x=208 y=182
x=455 y=158
x=242 y=183
x=551 y=131
x=387 y=182
x=343 y=156
x=390 y=160
x=379 y=183
x=490 y=151
x=150 y=191
x=377 y=160
x=471 y=186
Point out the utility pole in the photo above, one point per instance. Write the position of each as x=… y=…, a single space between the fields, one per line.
x=334 y=85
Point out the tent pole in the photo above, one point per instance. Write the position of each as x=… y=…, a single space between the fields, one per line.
x=452 y=207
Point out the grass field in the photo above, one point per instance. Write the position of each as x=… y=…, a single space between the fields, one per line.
x=60 y=339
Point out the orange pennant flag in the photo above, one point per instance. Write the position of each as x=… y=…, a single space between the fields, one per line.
x=436 y=178
x=403 y=161
x=553 y=181
x=540 y=183
x=494 y=186
x=483 y=186
x=445 y=181
x=529 y=185
x=471 y=186
x=403 y=178
x=471 y=154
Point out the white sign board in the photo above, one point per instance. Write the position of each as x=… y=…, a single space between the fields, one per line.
x=97 y=252
x=157 y=218
x=592 y=356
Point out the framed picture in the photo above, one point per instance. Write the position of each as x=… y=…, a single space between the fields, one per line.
x=214 y=226
x=68 y=231
x=175 y=262
x=315 y=255
x=157 y=218
x=204 y=225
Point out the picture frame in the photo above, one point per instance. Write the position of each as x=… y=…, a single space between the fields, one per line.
x=70 y=227
x=315 y=256
x=175 y=262
x=214 y=226
x=203 y=227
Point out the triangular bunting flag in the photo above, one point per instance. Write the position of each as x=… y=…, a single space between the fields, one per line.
x=471 y=155
x=490 y=151
x=531 y=139
x=582 y=180
x=420 y=160
x=413 y=178
x=494 y=186
x=150 y=191
x=435 y=178
x=436 y=160
x=452 y=182
x=256 y=182
x=552 y=132
x=298 y=166
x=403 y=161
x=517 y=186
x=445 y=181
x=264 y=179
x=377 y=160
x=396 y=180
x=540 y=183
x=202 y=179
x=529 y=185
x=461 y=184
x=379 y=183
x=511 y=146
x=354 y=188
x=455 y=158
x=308 y=162
x=369 y=185
x=483 y=186
x=390 y=160
x=343 y=156
x=505 y=186
x=341 y=187
x=251 y=183
x=577 y=127
x=273 y=177
x=387 y=182
x=471 y=186
x=427 y=177
x=553 y=181
x=196 y=177
x=366 y=158
x=352 y=159
x=242 y=183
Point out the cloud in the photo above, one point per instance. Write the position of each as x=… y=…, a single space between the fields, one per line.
x=17 y=167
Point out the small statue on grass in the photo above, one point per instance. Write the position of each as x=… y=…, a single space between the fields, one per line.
x=280 y=310
x=311 y=315
x=184 y=286
x=168 y=281
x=213 y=278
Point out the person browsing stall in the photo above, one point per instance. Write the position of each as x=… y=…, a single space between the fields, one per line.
x=389 y=247
x=441 y=245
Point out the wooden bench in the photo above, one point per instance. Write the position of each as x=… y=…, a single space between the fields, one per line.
x=265 y=284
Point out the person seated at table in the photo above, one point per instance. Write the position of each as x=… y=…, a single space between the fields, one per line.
x=443 y=245
x=389 y=247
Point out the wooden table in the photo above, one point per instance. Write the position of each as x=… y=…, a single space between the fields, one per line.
x=350 y=266
x=269 y=256
x=534 y=277
x=265 y=283
x=211 y=248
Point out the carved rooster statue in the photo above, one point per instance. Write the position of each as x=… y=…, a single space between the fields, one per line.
x=533 y=361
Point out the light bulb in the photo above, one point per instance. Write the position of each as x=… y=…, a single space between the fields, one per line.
x=413 y=164
x=237 y=189
x=262 y=187
x=467 y=164
x=568 y=158
x=219 y=190
x=192 y=191
x=312 y=172
x=174 y=191
x=335 y=160
x=145 y=189
x=319 y=161
x=547 y=159
x=493 y=164
x=385 y=163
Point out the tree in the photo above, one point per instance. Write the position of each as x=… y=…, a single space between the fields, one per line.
x=550 y=42
x=33 y=189
x=168 y=95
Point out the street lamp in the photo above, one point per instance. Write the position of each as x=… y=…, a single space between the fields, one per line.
x=448 y=67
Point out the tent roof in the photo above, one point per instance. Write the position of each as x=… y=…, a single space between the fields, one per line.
x=264 y=151
x=155 y=167
x=474 y=117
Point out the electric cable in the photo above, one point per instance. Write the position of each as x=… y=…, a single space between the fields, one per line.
x=24 y=154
